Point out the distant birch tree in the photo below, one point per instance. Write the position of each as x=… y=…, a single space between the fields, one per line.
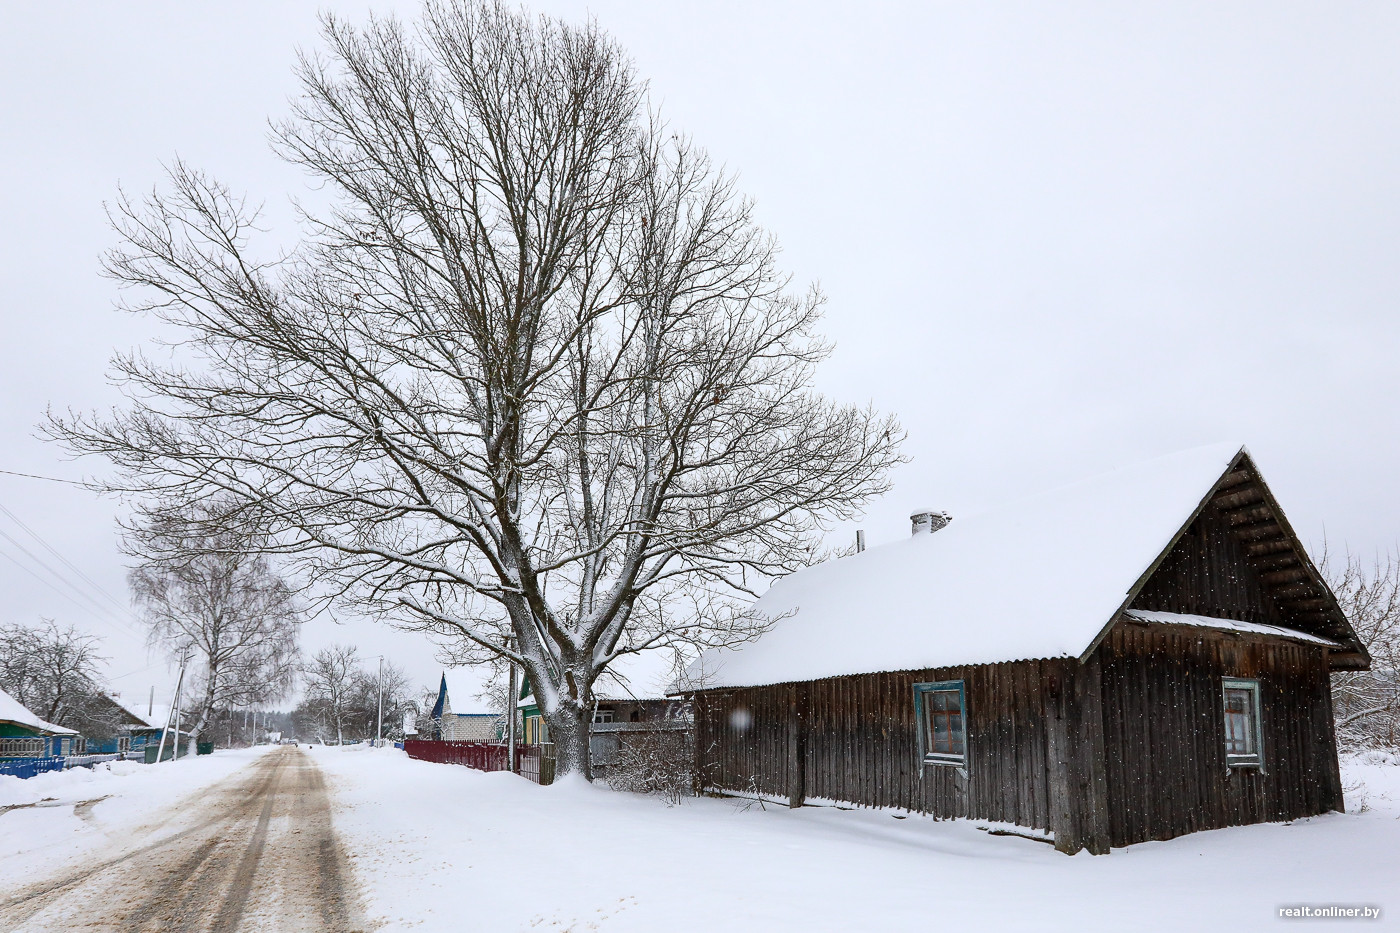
x=207 y=590
x=534 y=382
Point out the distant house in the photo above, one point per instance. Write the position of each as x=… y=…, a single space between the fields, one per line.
x=466 y=724
x=630 y=702
x=133 y=731
x=24 y=735
x=1134 y=657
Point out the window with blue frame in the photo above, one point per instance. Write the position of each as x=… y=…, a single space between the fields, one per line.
x=1243 y=741
x=941 y=713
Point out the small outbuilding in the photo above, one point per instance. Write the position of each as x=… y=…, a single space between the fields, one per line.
x=1134 y=657
x=630 y=707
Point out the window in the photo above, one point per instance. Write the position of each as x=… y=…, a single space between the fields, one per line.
x=602 y=715
x=939 y=711
x=1243 y=742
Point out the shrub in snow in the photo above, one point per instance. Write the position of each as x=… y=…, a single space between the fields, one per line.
x=655 y=763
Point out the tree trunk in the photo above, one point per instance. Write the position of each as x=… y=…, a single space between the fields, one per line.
x=205 y=708
x=568 y=730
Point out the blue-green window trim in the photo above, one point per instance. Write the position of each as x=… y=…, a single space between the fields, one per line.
x=922 y=695
x=1252 y=758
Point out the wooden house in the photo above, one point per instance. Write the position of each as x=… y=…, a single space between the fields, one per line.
x=131 y=731
x=1135 y=657
x=630 y=702
x=28 y=744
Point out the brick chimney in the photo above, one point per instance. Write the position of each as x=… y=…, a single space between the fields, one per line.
x=927 y=521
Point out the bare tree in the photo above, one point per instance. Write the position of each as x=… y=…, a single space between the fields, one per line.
x=368 y=685
x=534 y=383
x=206 y=590
x=1367 y=703
x=54 y=671
x=330 y=681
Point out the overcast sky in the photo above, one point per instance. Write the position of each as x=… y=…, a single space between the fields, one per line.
x=1055 y=237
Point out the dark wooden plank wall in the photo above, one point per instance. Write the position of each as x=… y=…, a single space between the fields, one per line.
x=1124 y=749
x=1163 y=715
x=852 y=739
x=1208 y=573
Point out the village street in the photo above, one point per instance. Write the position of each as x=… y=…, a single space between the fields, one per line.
x=254 y=851
x=355 y=838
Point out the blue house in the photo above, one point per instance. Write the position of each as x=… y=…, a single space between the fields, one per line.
x=133 y=731
x=28 y=744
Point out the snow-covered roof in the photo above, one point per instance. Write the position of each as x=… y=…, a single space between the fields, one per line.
x=1038 y=578
x=1229 y=625
x=463 y=685
x=11 y=710
x=138 y=720
x=642 y=675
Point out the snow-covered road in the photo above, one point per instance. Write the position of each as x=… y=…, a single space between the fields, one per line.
x=252 y=851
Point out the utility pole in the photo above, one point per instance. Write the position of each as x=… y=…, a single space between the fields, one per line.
x=179 y=698
x=173 y=706
x=511 y=710
x=379 y=728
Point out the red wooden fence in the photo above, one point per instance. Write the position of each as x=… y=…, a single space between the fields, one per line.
x=531 y=761
x=478 y=755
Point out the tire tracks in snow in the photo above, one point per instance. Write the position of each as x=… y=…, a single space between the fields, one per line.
x=255 y=851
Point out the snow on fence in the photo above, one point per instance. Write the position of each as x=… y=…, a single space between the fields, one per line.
x=87 y=761
x=535 y=762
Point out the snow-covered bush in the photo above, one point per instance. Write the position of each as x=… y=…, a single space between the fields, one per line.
x=655 y=763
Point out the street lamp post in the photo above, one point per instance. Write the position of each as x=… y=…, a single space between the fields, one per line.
x=379 y=727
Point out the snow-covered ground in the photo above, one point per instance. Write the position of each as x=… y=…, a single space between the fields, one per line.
x=439 y=847
x=52 y=820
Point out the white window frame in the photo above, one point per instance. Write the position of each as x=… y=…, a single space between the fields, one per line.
x=1254 y=759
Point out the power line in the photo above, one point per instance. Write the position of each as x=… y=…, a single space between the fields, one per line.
x=65 y=561
x=93 y=605
x=29 y=570
x=139 y=670
x=102 y=612
x=51 y=479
